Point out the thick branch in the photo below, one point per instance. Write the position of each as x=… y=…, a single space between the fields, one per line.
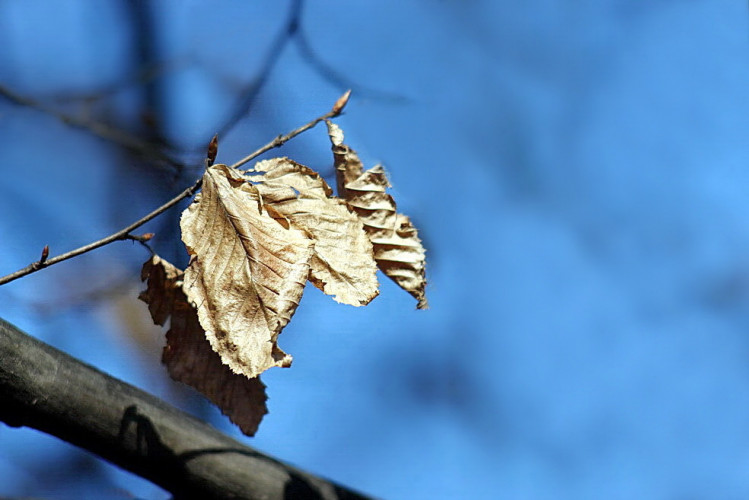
x=46 y=389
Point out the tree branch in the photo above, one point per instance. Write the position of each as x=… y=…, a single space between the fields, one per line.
x=282 y=139
x=43 y=388
x=124 y=234
x=336 y=77
x=113 y=135
x=248 y=96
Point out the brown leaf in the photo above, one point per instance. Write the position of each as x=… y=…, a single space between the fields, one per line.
x=246 y=274
x=397 y=247
x=343 y=263
x=188 y=355
x=162 y=290
x=189 y=358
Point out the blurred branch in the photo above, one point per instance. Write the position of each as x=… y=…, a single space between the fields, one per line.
x=46 y=389
x=338 y=79
x=141 y=76
x=294 y=32
x=146 y=52
x=110 y=134
x=248 y=96
x=125 y=234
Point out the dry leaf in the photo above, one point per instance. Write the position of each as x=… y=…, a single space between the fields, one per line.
x=397 y=247
x=246 y=274
x=188 y=355
x=162 y=290
x=342 y=264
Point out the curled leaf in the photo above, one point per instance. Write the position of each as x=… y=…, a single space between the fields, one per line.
x=163 y=289
x=342 y=264
x=246 y=274
x=188 y=355
x=397 y=248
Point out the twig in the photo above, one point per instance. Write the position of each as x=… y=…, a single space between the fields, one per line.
x=125 y=234
x=281 y=139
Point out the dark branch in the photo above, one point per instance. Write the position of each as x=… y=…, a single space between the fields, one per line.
x=249 y=94
x=43 y=388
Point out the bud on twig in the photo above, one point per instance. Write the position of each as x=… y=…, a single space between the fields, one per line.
x=341 y=103
x=143 y=238
x=212 y=151
x=45 y=254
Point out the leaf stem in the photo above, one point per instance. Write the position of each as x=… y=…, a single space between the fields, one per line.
x=125 y=233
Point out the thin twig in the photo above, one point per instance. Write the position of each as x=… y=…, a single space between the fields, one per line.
x=125 y=234
x=281 y=139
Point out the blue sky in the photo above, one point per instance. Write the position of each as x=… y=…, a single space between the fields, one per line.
x=578 y=171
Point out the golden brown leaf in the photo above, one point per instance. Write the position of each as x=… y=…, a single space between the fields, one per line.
x=246 y=274
x=188 y=355
x=397 y=247
x=342 y=264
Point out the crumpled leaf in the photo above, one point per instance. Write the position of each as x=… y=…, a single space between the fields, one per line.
x=397 y=248
x=343 y=263
x=188 y=355
x=162 y=291
x=246 y=274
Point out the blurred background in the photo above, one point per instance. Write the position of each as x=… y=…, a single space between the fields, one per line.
x=579 y=173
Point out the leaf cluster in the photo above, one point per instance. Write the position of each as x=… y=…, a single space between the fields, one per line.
x=255 y=238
